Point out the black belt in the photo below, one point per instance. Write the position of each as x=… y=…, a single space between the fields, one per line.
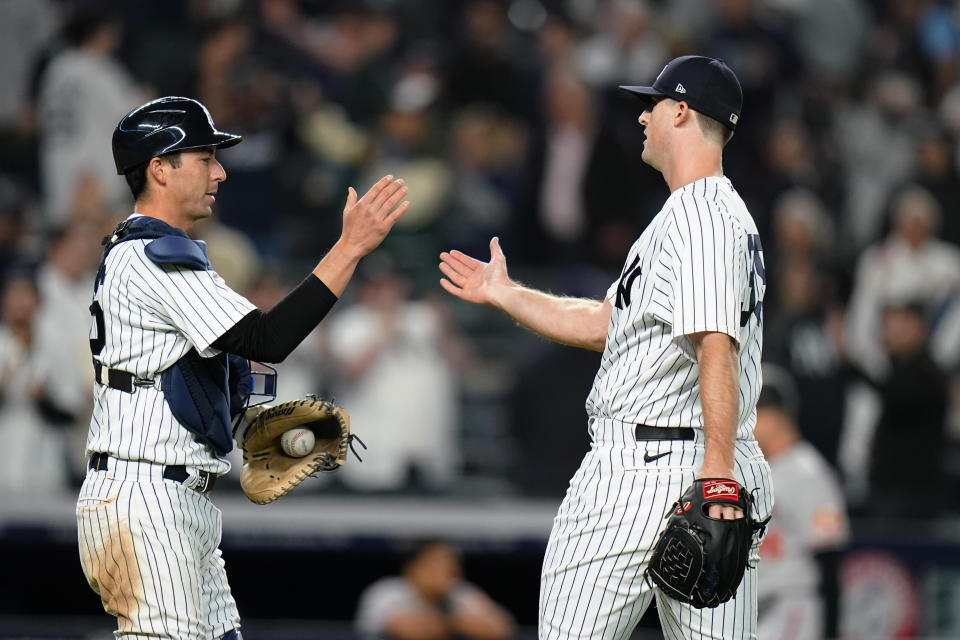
x=644 y=432
x=116 y=379
x=175 y=472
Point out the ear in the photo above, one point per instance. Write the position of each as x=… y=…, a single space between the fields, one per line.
x=157 y=168
x=681 y=113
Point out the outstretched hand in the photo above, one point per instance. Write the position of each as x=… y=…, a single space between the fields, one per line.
x=368 y=220
x=472 y=280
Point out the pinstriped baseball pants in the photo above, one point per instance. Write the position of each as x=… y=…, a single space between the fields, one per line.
x=149 y=547
x=592 y=582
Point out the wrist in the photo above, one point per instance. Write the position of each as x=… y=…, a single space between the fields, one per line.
x=714 y=469
x=343 y=251
x=340 y=259
x=501 y=295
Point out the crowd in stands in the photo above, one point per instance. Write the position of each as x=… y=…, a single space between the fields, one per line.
x=504 y=118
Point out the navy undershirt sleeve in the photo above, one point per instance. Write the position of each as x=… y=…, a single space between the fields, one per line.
x=271 y=336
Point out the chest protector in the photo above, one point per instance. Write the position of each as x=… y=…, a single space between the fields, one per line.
x=202 y=393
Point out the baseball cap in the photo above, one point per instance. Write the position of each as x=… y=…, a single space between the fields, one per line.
x=708 y=85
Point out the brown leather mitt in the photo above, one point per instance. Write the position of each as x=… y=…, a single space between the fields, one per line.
x=268 y=472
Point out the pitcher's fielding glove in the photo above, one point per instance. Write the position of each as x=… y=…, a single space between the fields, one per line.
x=700 y=560
x=268 y=472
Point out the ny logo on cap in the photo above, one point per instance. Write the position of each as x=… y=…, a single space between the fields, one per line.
x=680 y=89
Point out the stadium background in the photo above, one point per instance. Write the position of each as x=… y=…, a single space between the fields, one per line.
x=504 y=119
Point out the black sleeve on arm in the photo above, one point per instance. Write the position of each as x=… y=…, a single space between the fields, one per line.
x=271 y=336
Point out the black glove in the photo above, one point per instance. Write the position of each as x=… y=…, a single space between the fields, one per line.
x=700 y=560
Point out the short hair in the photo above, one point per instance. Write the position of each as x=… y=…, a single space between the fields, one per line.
x=714 y=130
x=137 y=177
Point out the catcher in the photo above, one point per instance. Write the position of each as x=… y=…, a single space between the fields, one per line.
x=163 y=324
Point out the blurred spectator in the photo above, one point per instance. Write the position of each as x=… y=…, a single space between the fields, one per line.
x=83 y=94
x=794 y=166
x=233 y=254
x=547 y=413
x=830 y=35
x=798 y=584
x=801 y=230
x=483 y=67
x=397 y=360
x=430 y=600
x=407 y=143
x=937 y=172
x=555 y=209
x=762 y=52
x=910 y=261
x=875 y=135
x=62 y=325
x=920 y=38
x=487 y=149
x=908 y=451
x=34 y=446
x=252 y=99
x=626 y=46
x=223 y=52
x=803 y=334
x=15 y=239
x=27 y=27
x=556 y=43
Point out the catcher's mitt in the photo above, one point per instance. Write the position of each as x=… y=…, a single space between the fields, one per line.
x=268 y=472
x=701 y=560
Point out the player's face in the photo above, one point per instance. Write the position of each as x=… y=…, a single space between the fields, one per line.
x=654 y=127
x=196 y=182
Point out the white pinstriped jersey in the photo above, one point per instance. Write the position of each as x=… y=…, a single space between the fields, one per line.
x=153 y=315
x=697 y=267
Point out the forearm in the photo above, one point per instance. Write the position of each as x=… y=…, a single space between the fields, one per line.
x=720 y=399
x=337 y=267
x=577 y=322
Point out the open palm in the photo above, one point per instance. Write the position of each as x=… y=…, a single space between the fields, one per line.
x=471 y=279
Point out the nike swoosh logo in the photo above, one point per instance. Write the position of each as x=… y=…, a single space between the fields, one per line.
x=649 y=458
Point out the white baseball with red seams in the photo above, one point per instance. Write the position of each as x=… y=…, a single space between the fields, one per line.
x=297 y=442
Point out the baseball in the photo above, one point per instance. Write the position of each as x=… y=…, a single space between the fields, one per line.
x=297 y=442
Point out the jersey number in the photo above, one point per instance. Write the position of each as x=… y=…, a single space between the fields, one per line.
x=97 y=339
x=757 y=280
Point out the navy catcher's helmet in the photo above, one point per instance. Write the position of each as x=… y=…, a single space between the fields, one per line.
x=162 y=126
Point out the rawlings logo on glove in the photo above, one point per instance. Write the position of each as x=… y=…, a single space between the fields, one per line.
x=717 y=488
